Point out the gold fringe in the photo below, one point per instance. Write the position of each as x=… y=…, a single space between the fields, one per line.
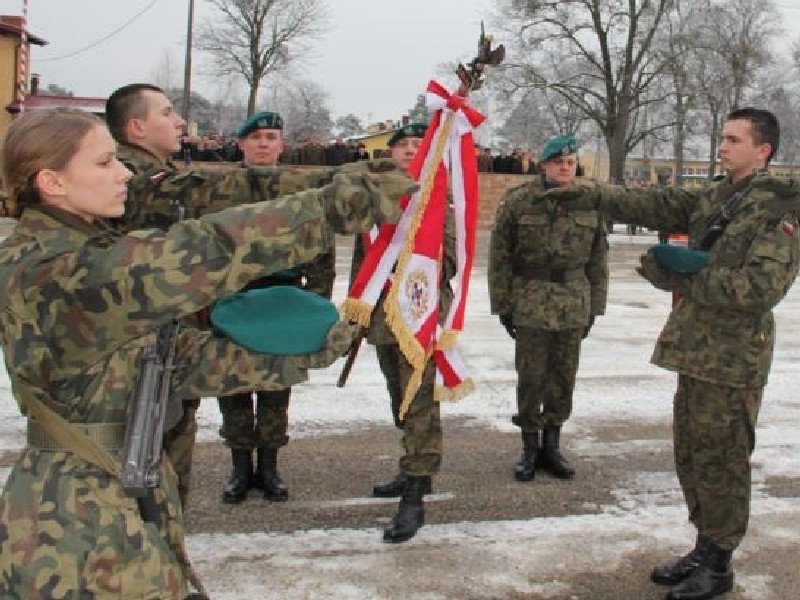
x=357 y=311
x=463 y=389
x=409 y=346
x=411 y=390
x=448 y=340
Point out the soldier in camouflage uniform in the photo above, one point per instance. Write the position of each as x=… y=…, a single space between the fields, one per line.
x=265 y=430
x=422 y=429
x=147 y=128
x=720 y=335
x=82 y=304
x=548 y=280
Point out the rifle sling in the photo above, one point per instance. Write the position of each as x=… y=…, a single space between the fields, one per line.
x=70 y=437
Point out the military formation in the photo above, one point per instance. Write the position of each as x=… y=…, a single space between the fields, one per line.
x=113 y=242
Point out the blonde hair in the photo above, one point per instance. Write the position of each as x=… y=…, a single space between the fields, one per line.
x=43 y=139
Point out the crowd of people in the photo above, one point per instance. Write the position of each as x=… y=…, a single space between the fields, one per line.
x=113 y=243
x=313 y=152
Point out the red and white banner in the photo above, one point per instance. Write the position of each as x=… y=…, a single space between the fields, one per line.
x=414 y=249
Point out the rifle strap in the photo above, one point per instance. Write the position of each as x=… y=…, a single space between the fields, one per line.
x=69 y=436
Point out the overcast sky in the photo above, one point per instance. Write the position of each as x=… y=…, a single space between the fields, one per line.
x=376 y=58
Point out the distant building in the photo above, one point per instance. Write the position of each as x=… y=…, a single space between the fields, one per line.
x=661 y=171
x=15 y=93
x=378 y=134
x=15 y=63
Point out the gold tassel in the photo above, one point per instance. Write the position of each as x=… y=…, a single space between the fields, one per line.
x=448 y=340
x=411 y=390
x=357 y=311
x=463 y=389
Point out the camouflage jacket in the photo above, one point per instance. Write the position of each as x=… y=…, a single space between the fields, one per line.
x=379 y=332
x=722 y=330
x=548 y=258
x=80 y=307
x=157 y=189
x=318 y=275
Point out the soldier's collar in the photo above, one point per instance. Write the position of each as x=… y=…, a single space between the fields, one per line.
x=136 y=149
x=67 y=218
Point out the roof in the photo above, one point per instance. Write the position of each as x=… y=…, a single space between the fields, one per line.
x=42 y=101
x=12 y=26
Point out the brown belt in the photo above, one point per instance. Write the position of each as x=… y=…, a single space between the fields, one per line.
x=552 y=275
x=111 y=436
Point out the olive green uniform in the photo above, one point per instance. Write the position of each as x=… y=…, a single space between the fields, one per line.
x=244 y=428
x=548 y=269
x=154 y=202
x=720 y=335
x=421 y=427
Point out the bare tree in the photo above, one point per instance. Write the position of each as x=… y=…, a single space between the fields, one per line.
x=303 y=106
x=257 y=37
x=597 y=55
x=536 y=116
x=163 y=75
x=678 y=49
x=349 y=126
x=732 y=48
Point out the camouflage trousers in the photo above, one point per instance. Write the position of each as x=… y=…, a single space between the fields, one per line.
x=422 y=426
x=179 y=447
x=714 y=436
x=244 y=429
x=547 y=365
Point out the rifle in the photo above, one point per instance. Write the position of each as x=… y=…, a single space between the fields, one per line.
x=471 y=77
x=719 y=220
x=144 y=434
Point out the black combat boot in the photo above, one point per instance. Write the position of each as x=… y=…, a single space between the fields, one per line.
x=710 y=579
x=550 y=458
x=267 y=475
x=235 y=490
x=675 y=571
x=394 y=488
x=525 y=469
x=411 y=512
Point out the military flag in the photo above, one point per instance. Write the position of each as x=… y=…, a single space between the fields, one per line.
x=406 y=258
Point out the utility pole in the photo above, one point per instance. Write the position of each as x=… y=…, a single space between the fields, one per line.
x=187 y=66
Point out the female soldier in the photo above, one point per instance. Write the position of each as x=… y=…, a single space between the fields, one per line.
x=80 y=306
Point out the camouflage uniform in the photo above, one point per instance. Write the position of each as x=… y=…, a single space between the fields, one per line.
x=268 y=427
x=198 y=192
x=81 y=305
x=548 y=269
x=720 y=335
x=422 y=428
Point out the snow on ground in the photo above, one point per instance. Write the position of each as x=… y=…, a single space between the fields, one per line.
x=616 y=384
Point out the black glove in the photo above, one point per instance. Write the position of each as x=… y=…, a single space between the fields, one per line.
x=660 y=277
x=507 y=321
x=588 y=327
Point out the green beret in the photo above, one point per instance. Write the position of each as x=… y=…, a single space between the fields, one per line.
x=558 y=145
x=411 y=130
x=679 y=258
x=281 y=320
x=260 y=120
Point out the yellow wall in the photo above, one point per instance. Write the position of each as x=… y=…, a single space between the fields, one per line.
x=647 y=170
x=375 y=142
x=8 y=79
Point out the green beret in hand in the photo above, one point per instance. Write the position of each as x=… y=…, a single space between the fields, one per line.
x=280 y=320
x=679 y=258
